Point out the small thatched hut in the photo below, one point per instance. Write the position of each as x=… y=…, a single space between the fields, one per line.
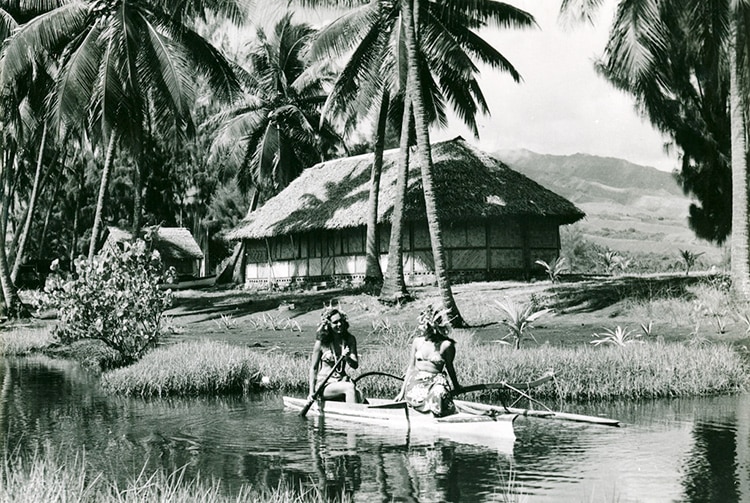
x=176 y=246
x=496 y=222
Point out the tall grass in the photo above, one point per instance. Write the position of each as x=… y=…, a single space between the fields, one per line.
x=50 y=478
x=207 y=367
x=20 y=341
x=653 y=370
x=637 y=371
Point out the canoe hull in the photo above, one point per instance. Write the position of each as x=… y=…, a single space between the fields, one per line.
x=461 y=427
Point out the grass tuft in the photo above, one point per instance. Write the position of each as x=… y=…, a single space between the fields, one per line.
x=51 y=478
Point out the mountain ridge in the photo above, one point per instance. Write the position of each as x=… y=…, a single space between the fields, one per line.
x=629 y=207
x=610 y=171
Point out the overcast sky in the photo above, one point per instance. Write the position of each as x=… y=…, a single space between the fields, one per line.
x=562 y=106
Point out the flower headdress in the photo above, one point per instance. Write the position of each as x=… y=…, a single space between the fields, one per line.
x=432 y=322
x=328 y=311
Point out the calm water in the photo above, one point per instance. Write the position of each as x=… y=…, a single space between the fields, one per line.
x=686 y=450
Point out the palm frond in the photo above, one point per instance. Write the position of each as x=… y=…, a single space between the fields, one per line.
x=79 y=70
x=7 y=24
x=497 y=14
x=573 y=11
x=345 y=32
x=637 y=36
x=169 y=70
x=49 y=30
x=236 y=11
x=207 y=60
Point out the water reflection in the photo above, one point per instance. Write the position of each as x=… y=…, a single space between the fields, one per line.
x=338 y=464
x=678 y=450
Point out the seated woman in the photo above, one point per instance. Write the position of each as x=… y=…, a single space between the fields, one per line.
x=333 y=341
x=426 y=387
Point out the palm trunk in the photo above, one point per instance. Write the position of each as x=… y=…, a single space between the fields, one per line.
x=394 y=286
x=13 y=306
x=424 y=158
x=76 y=217
x=21 y=250
x=739 y=250
x=137 y=198
x=106 y=173
x=373 y=273
x=48 y=216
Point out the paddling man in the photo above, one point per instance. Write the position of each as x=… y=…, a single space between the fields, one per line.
x=426 y=387
x=333 y=341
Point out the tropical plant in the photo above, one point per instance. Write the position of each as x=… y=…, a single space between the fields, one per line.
x=556 y=269
x=618 y=337
x=648 y=329
x=114 y=298
x=623 y=263
x=518 y=318
x=413 y=19
x=126 y=68
x=277 y=131
x=11 y=126
x=609 y=259
x=689 y=259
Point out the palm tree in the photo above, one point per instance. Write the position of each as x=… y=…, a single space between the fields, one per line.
x=277 y=131
x=33 y=106
x=376 y=71
x=415 y=28
x=124 y=66
x=10 y=304
x=713 y=44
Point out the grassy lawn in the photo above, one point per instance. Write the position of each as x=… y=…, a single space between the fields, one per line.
x=679 y=308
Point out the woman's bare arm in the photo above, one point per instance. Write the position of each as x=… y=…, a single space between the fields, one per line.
x=449 y=354
x=409 y=368
x=353 y=357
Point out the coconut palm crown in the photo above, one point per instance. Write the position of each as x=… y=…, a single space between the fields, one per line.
x=278 y=131
x=448 y=48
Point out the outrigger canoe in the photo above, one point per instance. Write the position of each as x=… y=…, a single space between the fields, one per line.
x=463 y=427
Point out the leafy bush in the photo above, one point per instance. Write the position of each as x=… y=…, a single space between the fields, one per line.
x=115 y=299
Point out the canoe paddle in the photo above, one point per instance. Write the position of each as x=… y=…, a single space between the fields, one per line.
x=318 y=391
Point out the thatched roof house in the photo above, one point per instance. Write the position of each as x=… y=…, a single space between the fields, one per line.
x=176 y=246
x=495 y=220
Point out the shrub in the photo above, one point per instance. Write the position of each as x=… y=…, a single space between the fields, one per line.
x=115 y=299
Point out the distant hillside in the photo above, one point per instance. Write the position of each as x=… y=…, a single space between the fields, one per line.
x=588 y=177
x=628 y=207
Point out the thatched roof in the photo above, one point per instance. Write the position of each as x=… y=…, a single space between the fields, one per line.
x=469 y=185
x=172 y=242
